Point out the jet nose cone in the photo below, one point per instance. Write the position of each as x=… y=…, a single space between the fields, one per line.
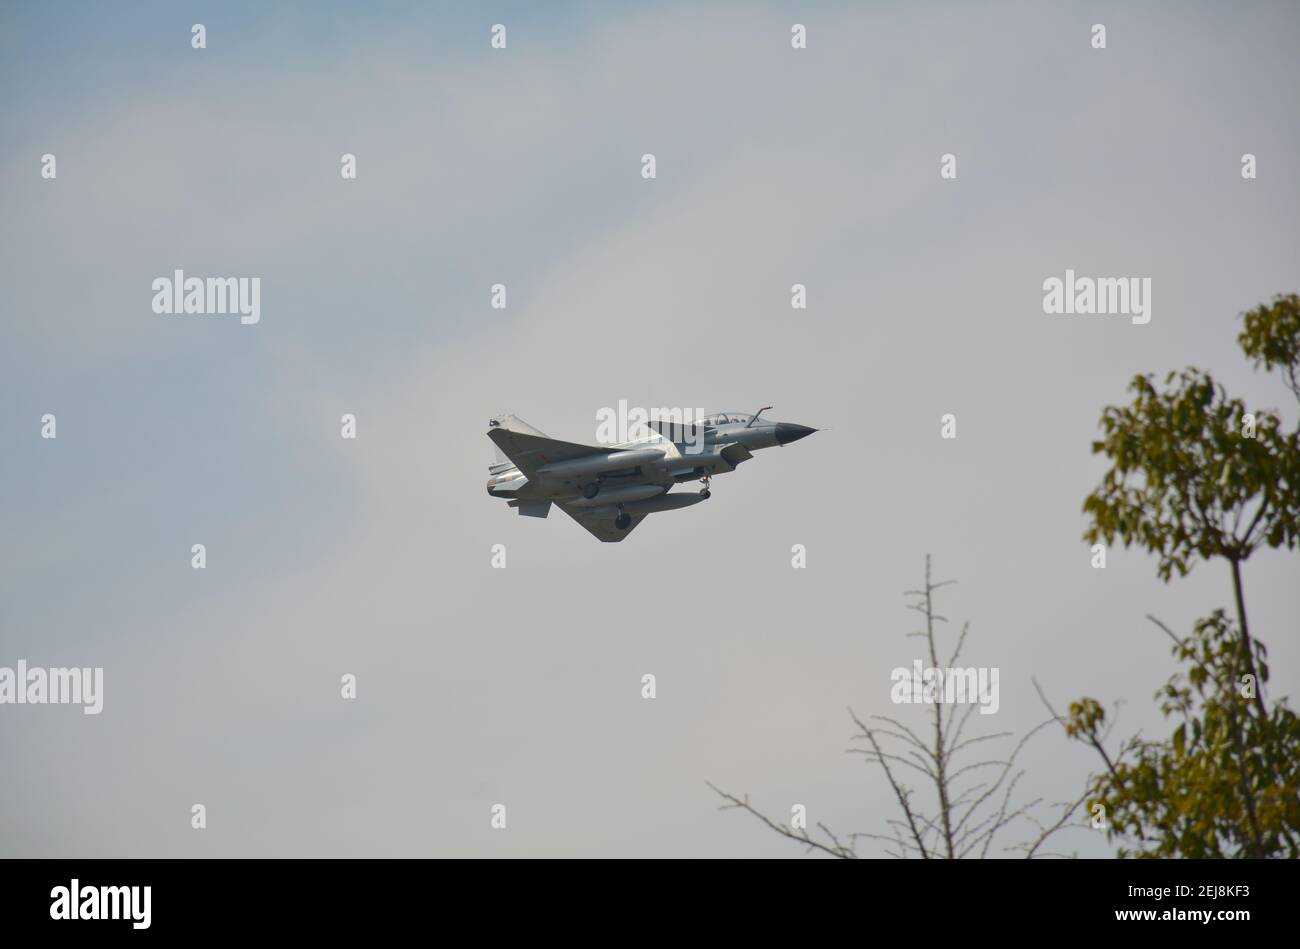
x=787 y=432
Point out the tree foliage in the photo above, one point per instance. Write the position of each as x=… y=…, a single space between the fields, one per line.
x=1191 y=478
x=1225 y=783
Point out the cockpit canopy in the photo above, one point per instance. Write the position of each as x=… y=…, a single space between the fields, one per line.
x=727 y=418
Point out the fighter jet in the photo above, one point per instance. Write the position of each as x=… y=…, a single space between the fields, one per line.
x=610 y=489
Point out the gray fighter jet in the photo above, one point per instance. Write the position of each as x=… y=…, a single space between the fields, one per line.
x=609 y=489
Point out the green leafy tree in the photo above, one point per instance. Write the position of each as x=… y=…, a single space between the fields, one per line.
x=1195 y=476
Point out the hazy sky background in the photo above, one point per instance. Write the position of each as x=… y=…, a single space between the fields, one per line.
x=522 y=166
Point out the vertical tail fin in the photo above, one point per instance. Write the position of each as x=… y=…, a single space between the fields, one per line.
x=511 y=423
